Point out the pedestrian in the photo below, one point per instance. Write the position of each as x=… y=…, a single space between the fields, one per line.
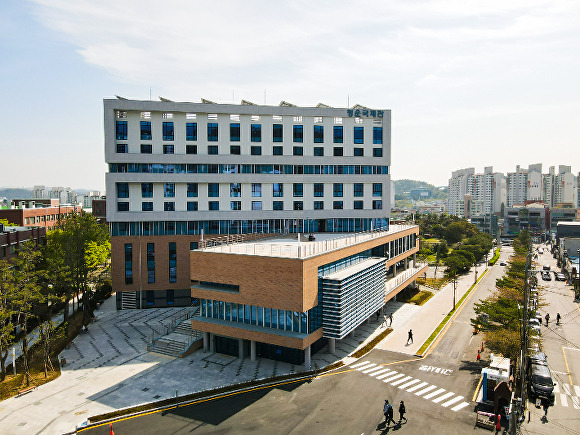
x=558 y=317
x=545 y=405
x=378 y=314
x=402 y=411
x=410 y=337
x=388 y=411
x=547 y=318
x=390 y=319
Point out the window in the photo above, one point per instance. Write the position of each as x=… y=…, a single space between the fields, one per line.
x=212 y=149
x=168 y=149
x=191 y=205
x=378 y=135
x=359 y=135
x=338 y=151
x=377 y=152
x=277 y=150
x=298 y=151
x=235 y=205
x=168 y=131
x=213 y=190
x=169 y=190
x=145 y=130
x=337 y=205
x=338 y=134
x=256 y=189
x=193 y=245
x=277 y=133
x=192 y=190
x=150 y=263
x=235 y=190
x=359 y=152
x=191 y=131
x=172 y=262
x=377 y=189
x=169 y=206
x=358 y=189
x=235 y=132
x=318 y=205
x=256 y=150
x=146 y=149
x=278 y=205
x=213 y=205
x=337 y=190
x=128 y=263
x=358 y=205
x=377 y=204
x=338 y=120
x=318 y=134
x=122 y=148
x=277 y=190
x=147 y=206
x=235 y=150
x=147 y=190
x=122 y=190
x=298 y=133
x=150 y=297
x=256 y=132
x=212 y=132
x=319 y=151
x=298 y=205
x=121 y=130
x=190 y=149
x=170 y=297
x=122 y=206
x=256 y=205
x=318 y=190
x=298 y=190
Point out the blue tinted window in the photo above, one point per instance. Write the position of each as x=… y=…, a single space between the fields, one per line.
x=192 y=190
x=256 y=132
x=359 y=152
x=213 y=190
x=212 y=132
x=212 y=149
x=190 y=149
x=337 y=205
x=277 y=150
x=277 y=190
x=256 y=150
x=359 y=135
x=277 y=133
x=145 y=130
x=235 y=205
x=338 y=134
x=377 y=135
x=191 y=205
x=235 y=150
x=235 y=132
x=318 y=205
x=122 y=148
x=337 y=190
x=235 y=190
x=377 y=152
x=123 y=206
x=150 y=263
x=128 y=263
x=147 y=190
x=168 y=149
x=172 y=262
x=298 y=151
x=338 y=151
x=318 y=189
x=298 y=133
x=377 y=204
x=122 y=190
x=169 y=206
x=147 y=206
x=169 y=190
x=168 y=131
x=256 y=205
x=377 y=189
x=256 y=189
x=121 y=130
x=298 y=189
x=319 y=151
x=278 y=205
x=358 y=189
x=358 y=205
x=318 y=134
x=191 y=131
x=298 y=205
x=213 y=205
x=146 y=149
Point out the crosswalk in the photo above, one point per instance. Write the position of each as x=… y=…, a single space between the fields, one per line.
x=566 y=395
x=441 y=396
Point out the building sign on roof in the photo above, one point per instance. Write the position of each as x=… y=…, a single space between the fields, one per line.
x=365 y=112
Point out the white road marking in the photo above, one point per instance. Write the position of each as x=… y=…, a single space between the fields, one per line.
x=372 y=369
x=460 y=406
x=368 y=366
x=435 y=393
x=387 y=374
x=423 y=391
x=400 y=381
x=577 y=389
x=416 y=387
x=392 y=378
x=442 y=398
x=379 y=372
x=358 y=364
x=564 y=400
x=566 y=388
x=408 y=384
x=575 y=402
x=452 y=401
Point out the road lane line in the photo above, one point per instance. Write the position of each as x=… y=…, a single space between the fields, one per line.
x=567 y=368
x=452 y=401
x=577 y=389
x=400 y=381
x=556 y=387
x=374 y=370
x=435 y=393
x=368 y=366
x=380 y=371
x=460 y=406
x=442 y=398
x=358 y=364
x=575 y=402
x=387 y=374
x=392 y=378
x=416 y=387
x=408 y=384
x=563 y=400
x=423 y=391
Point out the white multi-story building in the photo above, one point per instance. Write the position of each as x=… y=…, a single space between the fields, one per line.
x=182 y=171
x=487 y=192
x=565 y=189
x=535 y=186
x=517 y=186
x=460 y=184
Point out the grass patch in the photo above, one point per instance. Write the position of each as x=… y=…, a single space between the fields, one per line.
x=436 y=283
x=495 y=257
x=371 y=344
x=414 y=296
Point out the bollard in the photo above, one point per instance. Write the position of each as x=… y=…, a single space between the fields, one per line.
x=482 y=346
x=478 y=357
x=498 y=425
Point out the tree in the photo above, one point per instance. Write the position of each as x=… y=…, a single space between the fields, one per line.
x=457 y=263
x=6 y=312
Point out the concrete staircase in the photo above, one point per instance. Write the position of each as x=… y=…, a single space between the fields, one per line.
x=177 y=342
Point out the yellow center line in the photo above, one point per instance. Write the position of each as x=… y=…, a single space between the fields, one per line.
x=567 y=368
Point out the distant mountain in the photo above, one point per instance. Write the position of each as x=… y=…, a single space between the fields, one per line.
x=403 y=189
x=15 y=192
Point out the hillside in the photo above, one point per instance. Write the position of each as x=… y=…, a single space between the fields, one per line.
x=15 y=192
x=404 y=187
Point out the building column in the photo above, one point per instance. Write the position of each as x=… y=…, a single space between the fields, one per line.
x=253 y=350
x=206 y=341
x=241 y=348
x=406 y=263
x=307 y=358
x=212 y=343
x=394 y=270
x=414 y=259
x=331 y=345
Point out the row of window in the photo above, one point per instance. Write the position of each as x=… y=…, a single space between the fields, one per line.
x=172 y=261
x=255 y=205
x=168 y=132
x=202 y=168
x=255 y=150
x=213 y=190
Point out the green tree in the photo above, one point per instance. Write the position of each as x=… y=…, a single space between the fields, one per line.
x=6 y=312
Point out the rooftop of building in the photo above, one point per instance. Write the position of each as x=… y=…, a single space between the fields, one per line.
x=288 y=246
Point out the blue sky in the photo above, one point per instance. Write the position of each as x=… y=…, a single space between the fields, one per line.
x=469 y=83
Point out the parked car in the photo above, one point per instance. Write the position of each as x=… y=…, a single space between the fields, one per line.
x=540 y=382
x=502 y=263
x=535 y=325
x=546 y=276
x=546 y=267
x=559 y=276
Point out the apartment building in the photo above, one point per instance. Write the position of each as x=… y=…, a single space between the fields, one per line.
x=183 y=173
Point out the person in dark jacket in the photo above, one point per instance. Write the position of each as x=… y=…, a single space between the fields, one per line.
x=402 y=411
x=388 y=411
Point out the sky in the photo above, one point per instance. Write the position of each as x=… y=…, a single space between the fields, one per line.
x=469 y=83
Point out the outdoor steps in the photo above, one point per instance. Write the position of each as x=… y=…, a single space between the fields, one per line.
x=168 y=347
x=177 y=342
x=184 y=327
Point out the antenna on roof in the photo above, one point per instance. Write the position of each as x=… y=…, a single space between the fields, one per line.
x=149 y=93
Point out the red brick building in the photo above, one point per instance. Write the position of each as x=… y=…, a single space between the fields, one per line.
x=12 y=237
x=28 y=213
